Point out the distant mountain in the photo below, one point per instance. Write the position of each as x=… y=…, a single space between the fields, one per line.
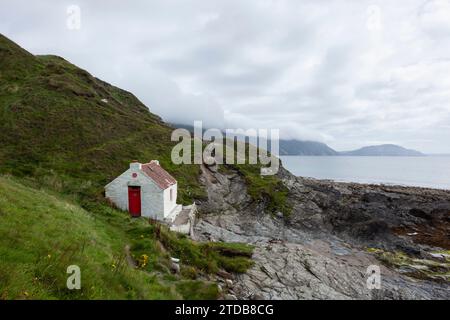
x=287 y=147
x=314 y=148
x=383 y=150
x=305 y=148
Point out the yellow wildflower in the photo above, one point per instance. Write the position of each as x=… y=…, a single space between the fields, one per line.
x=143 y=261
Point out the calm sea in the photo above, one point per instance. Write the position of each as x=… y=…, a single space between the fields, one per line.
x=430 y=172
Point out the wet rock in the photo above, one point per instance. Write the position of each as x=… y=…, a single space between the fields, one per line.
x=229 y=283
x=420 y=214
x=369 y=230
x=224 y=274
x=320 y=250
x=230 y=297
x=256 y=296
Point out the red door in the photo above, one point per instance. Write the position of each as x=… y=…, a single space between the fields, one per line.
x=134 y=201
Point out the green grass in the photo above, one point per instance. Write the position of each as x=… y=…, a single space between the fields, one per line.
x=65 y=144
x=55 y=128
x=425 y=269
x=41 y=234
x=198 y=257
x=268 y=189
x=208 y=257
x=53 y=122
x=196 y=290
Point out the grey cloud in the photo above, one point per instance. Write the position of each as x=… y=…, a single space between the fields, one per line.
x=312 y=69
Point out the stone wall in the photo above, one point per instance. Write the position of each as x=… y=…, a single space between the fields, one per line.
x=152 y=197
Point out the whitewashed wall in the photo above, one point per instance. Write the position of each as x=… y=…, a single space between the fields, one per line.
x=170 y=205
x=155 y=202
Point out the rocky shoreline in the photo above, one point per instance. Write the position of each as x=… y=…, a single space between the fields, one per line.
x=335 y=232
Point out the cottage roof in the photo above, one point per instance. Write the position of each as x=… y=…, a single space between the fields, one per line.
x=160 y=176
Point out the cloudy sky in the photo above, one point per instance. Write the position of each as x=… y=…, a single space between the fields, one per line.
x=346 y=72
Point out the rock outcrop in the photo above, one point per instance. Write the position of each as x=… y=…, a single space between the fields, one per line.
x=335 y=232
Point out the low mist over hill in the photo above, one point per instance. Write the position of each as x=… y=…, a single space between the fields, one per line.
x=314 y=148
x=305 y=148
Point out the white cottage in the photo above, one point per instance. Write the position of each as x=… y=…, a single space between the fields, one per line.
x=145 y=190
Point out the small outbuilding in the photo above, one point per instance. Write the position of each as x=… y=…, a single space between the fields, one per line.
x=145 y=190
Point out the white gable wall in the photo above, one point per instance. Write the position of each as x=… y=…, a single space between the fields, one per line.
x=152 y=197
x=170 y=205
x=155 y=202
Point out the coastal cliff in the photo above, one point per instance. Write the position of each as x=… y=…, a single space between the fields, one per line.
x=65 y=134
x=334 y=233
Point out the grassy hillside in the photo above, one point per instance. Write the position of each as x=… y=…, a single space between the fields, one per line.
x=54 y=123
x=41 y=234
x=66 y=134
x=56 y=127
